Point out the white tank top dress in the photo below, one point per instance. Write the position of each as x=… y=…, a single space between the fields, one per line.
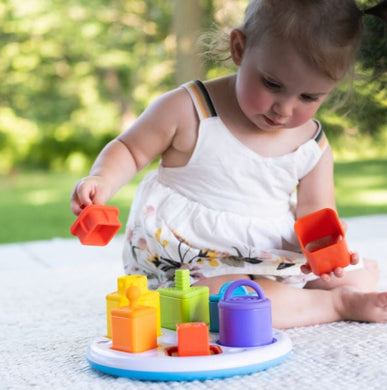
x=229 y=210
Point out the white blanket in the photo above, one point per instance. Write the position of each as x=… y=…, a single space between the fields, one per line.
x=52 y=297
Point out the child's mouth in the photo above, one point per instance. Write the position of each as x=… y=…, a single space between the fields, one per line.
x=271 y=122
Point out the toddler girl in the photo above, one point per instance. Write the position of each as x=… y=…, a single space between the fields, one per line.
x=233 y=150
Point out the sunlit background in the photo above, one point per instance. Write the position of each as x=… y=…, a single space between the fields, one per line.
x=76 y=73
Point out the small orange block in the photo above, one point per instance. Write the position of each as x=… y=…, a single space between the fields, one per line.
x=134 y=328
x=193 y=339
x=96 y=225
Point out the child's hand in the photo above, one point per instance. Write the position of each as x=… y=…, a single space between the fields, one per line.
x=89 y=190
x=338 y=272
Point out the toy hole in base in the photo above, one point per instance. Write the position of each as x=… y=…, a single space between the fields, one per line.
x=172 y=351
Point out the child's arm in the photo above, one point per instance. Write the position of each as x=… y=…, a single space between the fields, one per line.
x=315 y=192
x=113 y=167
x=151 y=135
x=316 y=189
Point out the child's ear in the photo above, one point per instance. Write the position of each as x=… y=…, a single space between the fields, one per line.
x=237 y=45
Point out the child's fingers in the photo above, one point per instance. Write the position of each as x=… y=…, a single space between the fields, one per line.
x=325 y=277
x=78 y=205
x=338 y=272
x=89 y=190
x=84 y=193
x=76 y=208
x=305 y=268
x=354 y=258
x=100 y=195
x=81 y=196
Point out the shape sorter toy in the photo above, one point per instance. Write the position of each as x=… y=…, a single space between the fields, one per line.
x=137 y=347
x=118 y=298
x=134 y=327
x=191 y=352
x=96 y=224
x=183 y=303
x=322 y=239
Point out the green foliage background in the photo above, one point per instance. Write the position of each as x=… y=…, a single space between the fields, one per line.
x=75 y=73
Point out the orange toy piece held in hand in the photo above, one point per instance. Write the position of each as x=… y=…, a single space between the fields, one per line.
x=322 y=239
x=96 y=225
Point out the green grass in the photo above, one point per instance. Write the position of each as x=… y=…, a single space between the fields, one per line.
x=35 y=206
x=361 y=187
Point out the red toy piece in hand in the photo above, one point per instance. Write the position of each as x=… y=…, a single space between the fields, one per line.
x=96 y=225
x=322 y=239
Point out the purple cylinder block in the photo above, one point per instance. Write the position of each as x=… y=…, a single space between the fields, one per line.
x=245 y=321
x=214 y=300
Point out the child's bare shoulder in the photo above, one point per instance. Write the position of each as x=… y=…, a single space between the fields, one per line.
x=311 y=128
x=173 y=113
x=170 y=111
x=173 y=102
x=308 y=131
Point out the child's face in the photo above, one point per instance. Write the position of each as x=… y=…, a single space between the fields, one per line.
x=276 y=88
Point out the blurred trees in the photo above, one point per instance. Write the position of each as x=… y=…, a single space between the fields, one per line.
x=75 y=73
x=187 y=20
x=361 y=122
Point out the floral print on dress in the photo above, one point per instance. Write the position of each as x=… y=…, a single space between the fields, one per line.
x=159 y=254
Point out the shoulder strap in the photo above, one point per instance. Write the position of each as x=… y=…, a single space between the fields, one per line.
x=201 y=99
x=320 y=137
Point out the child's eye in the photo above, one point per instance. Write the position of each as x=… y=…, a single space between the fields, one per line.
x=271 y=84
x=309 y=98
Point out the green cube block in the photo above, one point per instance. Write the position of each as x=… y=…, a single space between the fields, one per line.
x=183 y=303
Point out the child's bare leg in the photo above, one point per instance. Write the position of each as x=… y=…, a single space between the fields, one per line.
x=364 y=279
x=292 y=307
x=359 y=299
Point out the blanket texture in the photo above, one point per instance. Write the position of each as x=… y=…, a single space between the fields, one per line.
x=52 y=296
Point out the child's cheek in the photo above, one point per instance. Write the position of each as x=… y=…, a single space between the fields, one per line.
x=260 y=102
x=305 y=114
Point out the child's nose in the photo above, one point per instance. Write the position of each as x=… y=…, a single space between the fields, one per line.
x=284 y=107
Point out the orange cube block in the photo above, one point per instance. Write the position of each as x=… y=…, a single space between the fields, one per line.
x=322 y=239
x=96 y=224
x=193 y=339
x=134 y=328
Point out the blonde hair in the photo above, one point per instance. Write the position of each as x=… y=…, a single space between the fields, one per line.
x=325 y=32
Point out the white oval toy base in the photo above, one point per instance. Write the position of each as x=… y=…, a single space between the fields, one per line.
x=157 y=365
